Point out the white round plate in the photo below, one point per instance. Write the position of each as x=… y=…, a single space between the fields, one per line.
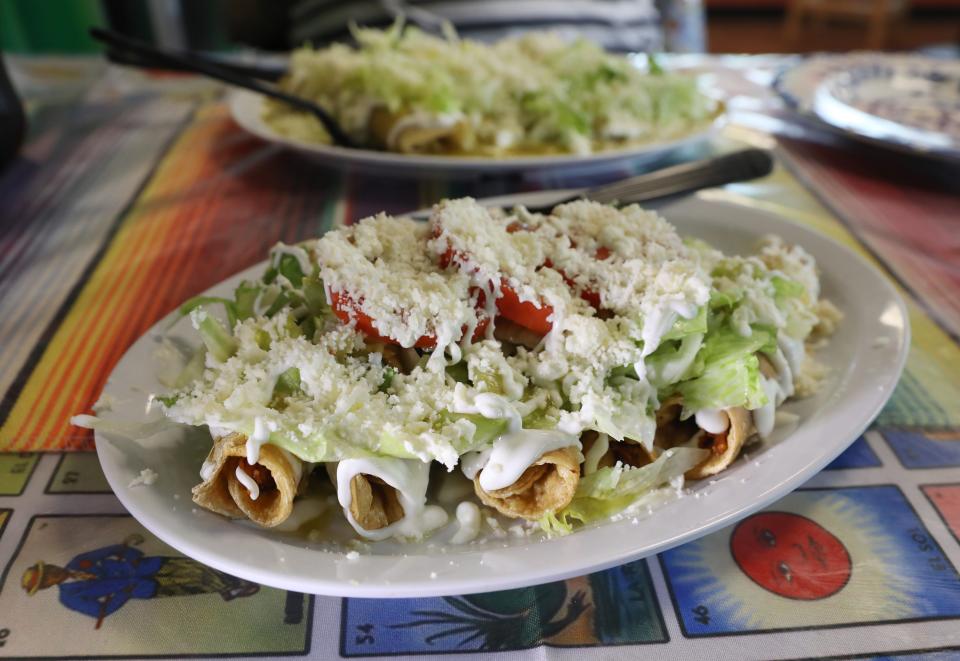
x=866 y=356
x=912 y=103
x=247 y=110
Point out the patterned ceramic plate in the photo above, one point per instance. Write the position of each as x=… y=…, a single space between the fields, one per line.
x=907 y=102
x=915 y=103
x=797 y=84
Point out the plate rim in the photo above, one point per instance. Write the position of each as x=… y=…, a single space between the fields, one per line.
x=245 y=109
x=471 y=584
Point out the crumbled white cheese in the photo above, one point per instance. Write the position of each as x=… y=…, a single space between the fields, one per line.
x=381 y=266
x=389 y=274
x=146 y=478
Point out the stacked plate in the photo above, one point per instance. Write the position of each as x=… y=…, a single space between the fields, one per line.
x=906 y=102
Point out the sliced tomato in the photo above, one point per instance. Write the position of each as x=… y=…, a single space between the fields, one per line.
x=347 y=309
x=446 y=257
x=590 y=296
x=524 y=313
x=508 y=304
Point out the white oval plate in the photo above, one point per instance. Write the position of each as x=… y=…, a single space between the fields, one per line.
x=247 y=110
x=866 y=356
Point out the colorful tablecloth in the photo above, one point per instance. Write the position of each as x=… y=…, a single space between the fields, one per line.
x=134 y=194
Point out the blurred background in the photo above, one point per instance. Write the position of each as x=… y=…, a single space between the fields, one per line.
x=719 y=26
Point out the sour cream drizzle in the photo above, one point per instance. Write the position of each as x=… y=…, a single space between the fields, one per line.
x=513 y=452
x=765 y=416
x=468 y=518
x=248 y=482
x=409 y=477
x=260 y=435
x=787 y=360
x=712 y=421
x=658 y=321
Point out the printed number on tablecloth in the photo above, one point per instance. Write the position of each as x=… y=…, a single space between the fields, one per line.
x=701 y=614
x=365 y=637
x=923 y=544
x=4 y=634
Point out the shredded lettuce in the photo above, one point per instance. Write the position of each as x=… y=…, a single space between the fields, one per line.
x=623 y=410
x=289 y=267
x=485 y=431
x=315 y=297
x=674 y=361
x=459 y=372
x=684 y=327
x=534 y=93
x=388 y=374
x=287 y=385
x=606 y=492
x=786 y=288
x=728 y=371
x=216 y=338
x=244 y=301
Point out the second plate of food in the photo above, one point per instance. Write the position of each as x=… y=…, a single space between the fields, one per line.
x=414 y=102
x=247 y=109
x=316 y=551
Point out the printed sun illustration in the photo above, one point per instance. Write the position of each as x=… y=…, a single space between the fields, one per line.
x=819 y=558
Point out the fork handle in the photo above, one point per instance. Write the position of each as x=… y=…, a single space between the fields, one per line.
x=151 y=56
x=128 y=58
x=740 y=165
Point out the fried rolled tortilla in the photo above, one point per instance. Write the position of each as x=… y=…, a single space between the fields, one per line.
x=382 y=497
x=600 y=451
x=546 y=486
x=416 y=133
x=724 y=447
x=374 y=504
x=263 y=492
